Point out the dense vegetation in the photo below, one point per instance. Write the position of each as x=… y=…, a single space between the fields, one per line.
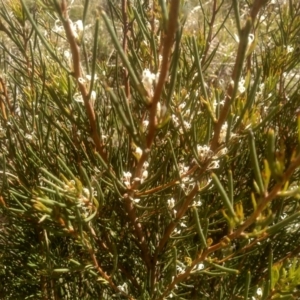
x=149 y=149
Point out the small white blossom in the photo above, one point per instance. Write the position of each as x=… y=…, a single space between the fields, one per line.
x=182 y=106
x=144 y=176
x=198 y=267
x=28 y=137
x=67 y=54
x=289 y=49
x=224 y=150
x=214 y=164
x=89 y=77
x=197 y=203
x=241 y=86
x=138 y=152
x=171 y=203
x=180 y=269
x=136 y=200
x=145 y=125
x=223 y=133
x=127 y=175
x=123 y=288
x=126 y=178
x=259 y=292
x=175 y=120
x=187 y=125
x=93 y=97
x=145 y=165
x=182 y=168
x=58 y=29
x=78 y=98
x=203 y=152
x=81 y=80
x=77 y=28
x=86 y=192
x=148 y=78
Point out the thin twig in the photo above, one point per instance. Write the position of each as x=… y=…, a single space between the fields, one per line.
x=106 y=277
x=125 y=31
x=75 y=50
x=240 y=231
x=3 y=90
x=167 y=47
x=210 y=32
x=138 y=230
x=258 y=4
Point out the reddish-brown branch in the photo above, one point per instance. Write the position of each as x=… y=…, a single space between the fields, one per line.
x=167 y=47
x=267 y=199
x=168 y=44
x=240 y=230
x=167 y=185
x=181 y=212
x=75 y=50
x=106 y=277
x=235 y=74
x=138 y=230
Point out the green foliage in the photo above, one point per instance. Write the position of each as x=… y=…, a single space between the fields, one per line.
x=150 y=149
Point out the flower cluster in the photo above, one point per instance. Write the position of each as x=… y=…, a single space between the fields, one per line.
x=127 y=176
x=86 y=81
x=148 y=80
x=223 y=133
x=77 y=29
x=204 y=152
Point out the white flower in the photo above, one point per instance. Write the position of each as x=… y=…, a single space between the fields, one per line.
x=93 y=97
x=77 y=28
x=86 y=192
x=127 y=175
x=78 y=98
x=145 y=125
x=182 y=168
x=144 y=176
x=180 y=269
x=214 y=164
x=148 y=79
x=175 y=120
x=203 y=152
x=198 y=203
x=58 y=29
x=198 y=267
x=289 y=49
x=67 y=54
x=138 y=151
x=259 y=292
x=241 y=86
x=81 y=80
x=171 y=203
x=182 y=106
x=89 y=77
x=187 y=125
x=28 y=137
x=223 y=133
x=136 y=200
x=126 y=178
x=123 y=288
x=224 y=150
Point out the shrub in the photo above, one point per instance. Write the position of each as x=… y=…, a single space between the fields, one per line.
x=150 y=149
